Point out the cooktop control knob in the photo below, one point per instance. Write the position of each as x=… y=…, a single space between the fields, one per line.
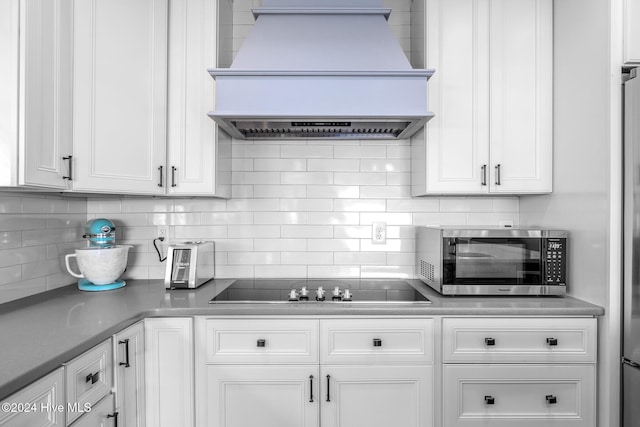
x=320 y=294
x=336 y=296
x=293 y=295
x=346 y=296
x=304 y=294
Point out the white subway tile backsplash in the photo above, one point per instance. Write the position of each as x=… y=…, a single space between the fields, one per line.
x=307 y=151
x=280 y=165
x=359 y=258
x=333 y=271
x=390 y=218
x=280 y=191
x=385 y=192
x=255 y=258
x=309 y=178
x=333 y=165
x=333 y=191
x=360 y=151
x=333 y=245
x=385 y=165
x=10 y=239
x=10 y=204
x=359 y=205
x=277 y=218
x=346 y=178
x=254 y=231
x=307 y=205
x=342 y=218
x=307 y=258
x=279 y=271
x=280 y=245
x=307 y=231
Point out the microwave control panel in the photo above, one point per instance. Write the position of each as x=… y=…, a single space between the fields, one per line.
x=555 y=261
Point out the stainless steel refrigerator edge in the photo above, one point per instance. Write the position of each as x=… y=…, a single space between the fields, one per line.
x=631 y=292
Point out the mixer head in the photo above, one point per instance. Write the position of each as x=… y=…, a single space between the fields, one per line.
x=100 y=232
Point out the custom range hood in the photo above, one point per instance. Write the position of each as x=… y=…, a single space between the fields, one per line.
x=321 y=69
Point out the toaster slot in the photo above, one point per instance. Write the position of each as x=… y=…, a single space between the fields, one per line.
x=181 y=265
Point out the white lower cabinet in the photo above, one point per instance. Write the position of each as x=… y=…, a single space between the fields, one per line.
x=519 y=395
x=376 y=396
x=314 y=372
x=265 y=396
x=129 y=375
x=169 y=371
x=101 y=415
x=519 y=372
x=37 y=404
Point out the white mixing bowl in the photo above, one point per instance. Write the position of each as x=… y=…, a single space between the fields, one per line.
x=100 y=266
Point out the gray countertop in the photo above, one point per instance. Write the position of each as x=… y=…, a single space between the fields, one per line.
x=40 y=333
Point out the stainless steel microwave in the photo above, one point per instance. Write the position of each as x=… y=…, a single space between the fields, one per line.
x=492 y=261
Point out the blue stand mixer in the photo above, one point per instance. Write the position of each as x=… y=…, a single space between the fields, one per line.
x=102 y=262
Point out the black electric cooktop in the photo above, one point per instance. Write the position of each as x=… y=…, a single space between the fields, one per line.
x=293 y=291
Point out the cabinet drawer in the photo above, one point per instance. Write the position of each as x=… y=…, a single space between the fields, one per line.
x=519 y=395
x=89 y=377
x=376 y=341
x=236 y=341
x=36 y=405
x=516 y=340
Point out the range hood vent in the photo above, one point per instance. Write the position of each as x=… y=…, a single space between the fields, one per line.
x=321 y=69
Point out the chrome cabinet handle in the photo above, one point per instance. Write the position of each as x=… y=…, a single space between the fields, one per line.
x=70 y=177
x=126 y=352
x=173 y=176
x=552 y=341
x=484 y=175
x=489 y=341
x=328 y=382
x=498 y=174
x=489 y=400
x=160 y=168
x=551 y=399
x=311 y=388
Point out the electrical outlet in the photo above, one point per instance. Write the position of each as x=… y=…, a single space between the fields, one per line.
x=379 y=232
x=163 y=232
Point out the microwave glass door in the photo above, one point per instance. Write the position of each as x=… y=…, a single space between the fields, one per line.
x=492 y=260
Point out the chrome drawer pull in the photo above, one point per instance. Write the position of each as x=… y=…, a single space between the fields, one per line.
x=261 y=342
x=490 y=341
x=377 y=342
x=551 y=399
x=552 y=341
x=489 y=400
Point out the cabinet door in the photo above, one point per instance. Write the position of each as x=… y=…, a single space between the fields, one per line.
x=521 y=112
x=129 y=367
x=37 y=405
x=100 y=415
x=194 y=144
x=169 y=371
x=119 y=91
x=265 y=396
x=456 y=146
x=377 y=396
x=45 y=92
x=631 y=40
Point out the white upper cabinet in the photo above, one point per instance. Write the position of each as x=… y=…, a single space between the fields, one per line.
x=35 y=92
x=199 y=154
x=120 y=95
x=491 y=96
x=631 y=36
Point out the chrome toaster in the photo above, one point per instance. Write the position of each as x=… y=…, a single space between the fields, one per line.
x=189 y=265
